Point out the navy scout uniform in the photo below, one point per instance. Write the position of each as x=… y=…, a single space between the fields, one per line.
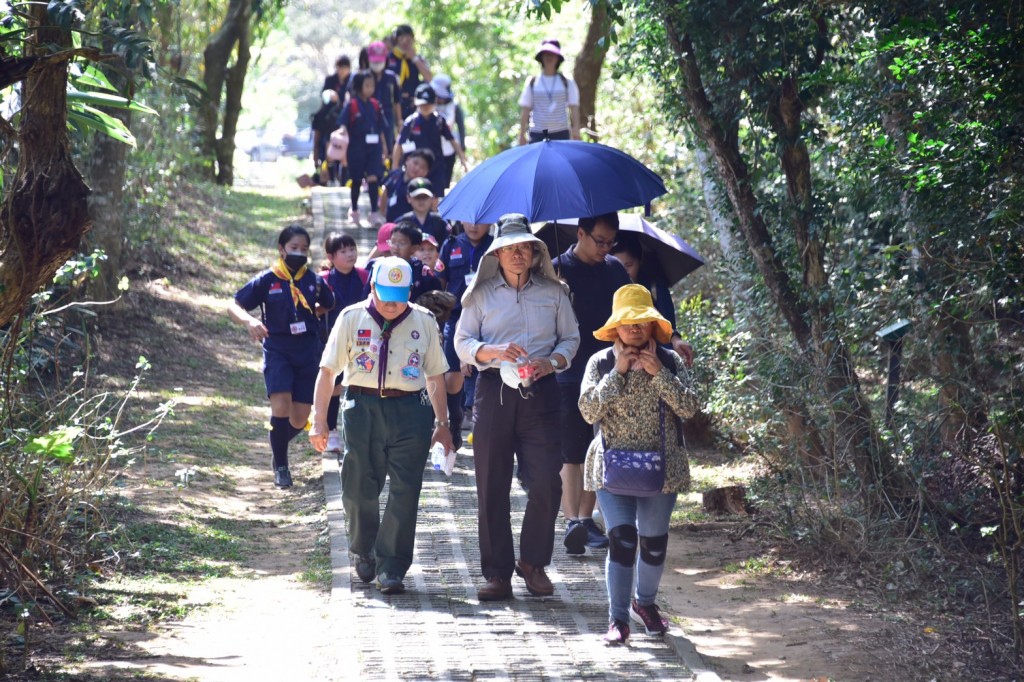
x=427 y=132
x=387 y=421
x=293 y=342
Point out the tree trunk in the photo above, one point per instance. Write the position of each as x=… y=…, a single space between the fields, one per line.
x=589 y=62
x=233 y=103
x=215 y=60
x=106 y=171
x=810 y=446
x=852 y=418
x=45 y=212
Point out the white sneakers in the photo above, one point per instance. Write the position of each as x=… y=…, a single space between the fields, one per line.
x=376 y=219
x=354 y=218
x=333 y=442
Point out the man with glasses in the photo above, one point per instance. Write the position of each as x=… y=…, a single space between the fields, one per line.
x=516 y=323
x=593 y=276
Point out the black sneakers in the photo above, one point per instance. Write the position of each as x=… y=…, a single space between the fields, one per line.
x=575 y=540
x=282 y=477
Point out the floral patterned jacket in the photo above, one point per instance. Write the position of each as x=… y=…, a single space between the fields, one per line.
x=627 y=407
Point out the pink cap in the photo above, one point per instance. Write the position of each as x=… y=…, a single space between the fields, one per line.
x=378 y=52
x=383 y=235
x=431 y=239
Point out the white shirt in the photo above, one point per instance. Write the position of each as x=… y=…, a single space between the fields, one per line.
x=549 y=100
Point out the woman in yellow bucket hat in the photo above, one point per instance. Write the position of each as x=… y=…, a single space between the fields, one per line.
x=637 y=392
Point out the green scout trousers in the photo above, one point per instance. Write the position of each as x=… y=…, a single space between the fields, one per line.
x=384 y=437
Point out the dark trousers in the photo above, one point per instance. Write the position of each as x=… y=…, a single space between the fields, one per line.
x=509 y=426
x=384 y=437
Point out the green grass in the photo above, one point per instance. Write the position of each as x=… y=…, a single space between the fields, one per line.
x=318 y=562
x=195 y=550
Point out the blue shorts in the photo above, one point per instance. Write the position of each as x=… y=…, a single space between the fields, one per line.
x=291 y=365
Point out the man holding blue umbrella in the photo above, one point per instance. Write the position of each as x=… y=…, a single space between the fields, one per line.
x=593 y=276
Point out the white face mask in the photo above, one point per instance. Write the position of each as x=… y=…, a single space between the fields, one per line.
x=511 y=376
x=377 y=67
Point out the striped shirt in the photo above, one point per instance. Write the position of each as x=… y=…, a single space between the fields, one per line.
x=548 y=101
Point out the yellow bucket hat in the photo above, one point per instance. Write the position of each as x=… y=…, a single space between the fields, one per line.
x=632 y=304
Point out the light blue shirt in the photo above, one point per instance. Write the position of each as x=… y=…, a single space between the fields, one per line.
x=538 y=317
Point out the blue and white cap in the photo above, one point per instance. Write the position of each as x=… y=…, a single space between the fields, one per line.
x=392 y=279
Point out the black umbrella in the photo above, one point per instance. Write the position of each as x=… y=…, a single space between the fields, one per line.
x=674 y=257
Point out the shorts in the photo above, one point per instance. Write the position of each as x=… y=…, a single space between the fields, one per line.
x=291 y=365
x=576 y=432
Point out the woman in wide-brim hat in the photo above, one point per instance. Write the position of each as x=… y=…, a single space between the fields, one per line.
x=624 y=388
x=515 y=310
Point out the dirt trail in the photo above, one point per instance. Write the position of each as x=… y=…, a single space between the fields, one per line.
x=263 y=621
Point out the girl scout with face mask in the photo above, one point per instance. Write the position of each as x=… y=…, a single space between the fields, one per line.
x=289 y=296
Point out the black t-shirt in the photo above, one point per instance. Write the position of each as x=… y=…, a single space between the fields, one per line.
x=591 y=288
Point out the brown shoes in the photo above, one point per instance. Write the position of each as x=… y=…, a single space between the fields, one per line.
x=496 y=589
x=537 y=582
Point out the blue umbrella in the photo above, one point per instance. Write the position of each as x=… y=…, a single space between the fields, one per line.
x=552 y=180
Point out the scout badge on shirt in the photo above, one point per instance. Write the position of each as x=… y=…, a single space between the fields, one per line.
x=363 y=337
x=275 y=288
x=412 y=369
x=365 y=362
x=298 y=327
x=456 y=253
x=374 y=345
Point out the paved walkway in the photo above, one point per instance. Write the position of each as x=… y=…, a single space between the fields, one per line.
x=439 y=631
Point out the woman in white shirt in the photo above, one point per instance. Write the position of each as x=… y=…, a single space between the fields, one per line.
x=550 y=103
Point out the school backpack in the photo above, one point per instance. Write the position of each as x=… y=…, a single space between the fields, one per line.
x=337 y=146
x=353 y=109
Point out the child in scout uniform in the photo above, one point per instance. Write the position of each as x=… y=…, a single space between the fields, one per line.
x=387 y=90
x=347 y=282
x=287 y=295
x=394 y=195
x=404 y=240
x=364 y=119
x=394 y=410
x=423 y=215
x=428 y=252
x=424 y=130
x=459 y=260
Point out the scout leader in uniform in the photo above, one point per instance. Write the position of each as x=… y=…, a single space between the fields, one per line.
x=390 y=352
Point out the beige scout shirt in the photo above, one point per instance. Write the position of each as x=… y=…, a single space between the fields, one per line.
x=414 y=350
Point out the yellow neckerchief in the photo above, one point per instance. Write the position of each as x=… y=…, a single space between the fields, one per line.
x=404 y=72
x=281 y=270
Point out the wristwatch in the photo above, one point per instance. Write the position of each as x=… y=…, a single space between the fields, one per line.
x=555 y=364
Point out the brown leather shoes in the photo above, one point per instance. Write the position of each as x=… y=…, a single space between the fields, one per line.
x=537 y=582
x=496 y=589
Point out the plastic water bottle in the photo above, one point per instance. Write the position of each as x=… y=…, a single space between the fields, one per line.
x=525 y=371
x=437 y=457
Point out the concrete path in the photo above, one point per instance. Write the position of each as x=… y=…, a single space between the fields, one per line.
x=439 y=631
